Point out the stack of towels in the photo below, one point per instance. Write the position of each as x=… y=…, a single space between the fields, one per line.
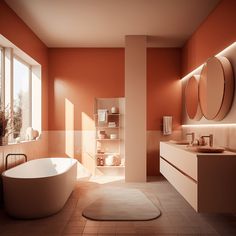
x=111 y=124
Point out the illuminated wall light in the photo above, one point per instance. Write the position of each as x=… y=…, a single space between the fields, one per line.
x=194 y=72
x=226 y=50
x=208 y=125
x=222 y=53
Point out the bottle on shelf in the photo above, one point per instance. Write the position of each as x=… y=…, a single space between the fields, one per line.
x=98 y=160
x=102 y=161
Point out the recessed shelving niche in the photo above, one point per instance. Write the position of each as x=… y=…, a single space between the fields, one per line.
x=109 y=136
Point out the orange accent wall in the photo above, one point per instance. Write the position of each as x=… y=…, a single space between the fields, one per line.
x=213 y=35
x=80 y=75
x=163 y=86
x=15 y=30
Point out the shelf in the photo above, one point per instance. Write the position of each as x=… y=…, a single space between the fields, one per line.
x=106 y=127
x=107 y=153
x=108 y=139
x=109 y=114
x=110 y=166
x=109 y=136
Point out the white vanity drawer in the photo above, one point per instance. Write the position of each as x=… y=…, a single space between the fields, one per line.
x=183 y=184
x=182 y=159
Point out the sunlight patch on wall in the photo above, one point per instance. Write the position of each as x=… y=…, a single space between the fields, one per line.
x=88 y=142
x=69 y=128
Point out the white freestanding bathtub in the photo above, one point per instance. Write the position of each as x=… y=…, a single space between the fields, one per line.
x=39 y=187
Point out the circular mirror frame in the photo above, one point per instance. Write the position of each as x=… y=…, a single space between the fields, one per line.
x=192 y=106
x=216 y=88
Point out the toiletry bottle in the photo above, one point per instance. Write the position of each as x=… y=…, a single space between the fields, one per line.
x=101 y=161
x=98 y=161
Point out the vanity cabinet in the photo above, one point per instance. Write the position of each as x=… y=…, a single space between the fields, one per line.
x=205 y=180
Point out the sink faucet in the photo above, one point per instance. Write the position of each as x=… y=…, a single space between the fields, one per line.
x=210 y=139
x=193 y=136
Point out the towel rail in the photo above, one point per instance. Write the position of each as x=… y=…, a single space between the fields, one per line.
x=14 y=154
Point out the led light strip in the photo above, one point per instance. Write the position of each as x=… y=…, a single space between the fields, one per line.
x=222 y=53
x=208 y=125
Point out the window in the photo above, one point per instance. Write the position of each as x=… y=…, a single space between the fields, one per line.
x=20 y=90
x=21 y=97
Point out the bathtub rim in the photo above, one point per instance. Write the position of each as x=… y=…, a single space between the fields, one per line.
x=4 y=175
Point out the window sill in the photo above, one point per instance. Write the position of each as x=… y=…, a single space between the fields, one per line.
x=21 y=142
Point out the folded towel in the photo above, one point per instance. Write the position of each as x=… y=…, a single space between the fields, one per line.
x=111 y=124
x=102 y=115
x=167 y=125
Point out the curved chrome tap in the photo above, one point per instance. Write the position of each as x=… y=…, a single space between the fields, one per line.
x=210 y=139
x=192 y=135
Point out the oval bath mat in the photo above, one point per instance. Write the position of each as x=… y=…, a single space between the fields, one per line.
x=122 y=204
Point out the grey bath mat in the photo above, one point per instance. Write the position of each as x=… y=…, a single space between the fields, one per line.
x=122 y=204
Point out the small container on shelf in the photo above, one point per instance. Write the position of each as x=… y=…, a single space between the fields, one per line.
x=113 y=136
x=114 y=110
x=112 y=160
x=102 y=134
x=102 y=162
x=109 y=160
x=112 y=124
x=98 y=160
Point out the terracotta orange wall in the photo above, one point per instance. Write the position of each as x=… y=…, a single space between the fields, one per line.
x=80 y=75
x=213 y=35
x=15 y=30
x=163 y=86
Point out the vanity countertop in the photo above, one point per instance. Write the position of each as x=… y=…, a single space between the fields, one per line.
x=192 y=149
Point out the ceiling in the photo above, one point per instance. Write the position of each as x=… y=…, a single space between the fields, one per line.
x=104 y=23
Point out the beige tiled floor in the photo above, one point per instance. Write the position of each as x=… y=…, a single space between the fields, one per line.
x=177 y=218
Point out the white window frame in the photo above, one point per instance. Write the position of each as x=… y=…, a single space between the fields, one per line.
x=1 y=77
x=30 y=85
x=10 y=50
x=10 y=78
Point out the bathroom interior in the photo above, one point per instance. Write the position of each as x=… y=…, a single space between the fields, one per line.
x=117 y=117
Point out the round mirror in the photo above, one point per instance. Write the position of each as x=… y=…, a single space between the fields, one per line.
x=191 y=99
x=216 y=88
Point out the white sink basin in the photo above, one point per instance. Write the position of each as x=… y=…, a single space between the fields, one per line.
x=180 y=142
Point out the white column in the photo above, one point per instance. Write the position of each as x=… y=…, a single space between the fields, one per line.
x=135 y=108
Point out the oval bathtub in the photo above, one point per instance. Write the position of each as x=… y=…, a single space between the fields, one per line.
x=38 y=187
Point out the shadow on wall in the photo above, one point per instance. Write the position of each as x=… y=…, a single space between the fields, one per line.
x=153 y=148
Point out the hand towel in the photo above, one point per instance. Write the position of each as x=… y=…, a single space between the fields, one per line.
x=102 y=115
x=167 y=125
